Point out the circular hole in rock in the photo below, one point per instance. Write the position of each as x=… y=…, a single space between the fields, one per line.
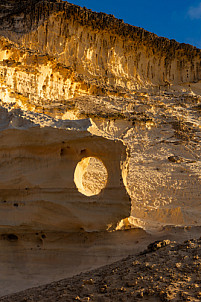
x=90 y=176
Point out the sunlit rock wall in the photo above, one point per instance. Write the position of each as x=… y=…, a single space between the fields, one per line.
x=65 y=61
x=99 y=46
x=38 y=181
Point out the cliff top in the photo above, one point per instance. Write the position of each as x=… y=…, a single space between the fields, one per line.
x=41 y=9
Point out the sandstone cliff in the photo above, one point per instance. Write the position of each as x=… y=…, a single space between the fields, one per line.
x=97 y=46
x=69 y=62
x=96 y=116
x=41 y=186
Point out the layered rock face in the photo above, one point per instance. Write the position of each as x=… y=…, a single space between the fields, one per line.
x=102 y=49
x=42 y=185
x=67 y=62
x=100 y=130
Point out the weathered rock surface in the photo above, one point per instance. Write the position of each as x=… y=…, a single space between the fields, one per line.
x=68 y=62
x=76 y=86
x=38 y=165
x=97 y=45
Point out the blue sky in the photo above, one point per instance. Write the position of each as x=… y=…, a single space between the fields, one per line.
x=174 y=19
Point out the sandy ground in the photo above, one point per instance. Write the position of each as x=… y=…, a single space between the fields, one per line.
x=165 y=271
x=32 y=262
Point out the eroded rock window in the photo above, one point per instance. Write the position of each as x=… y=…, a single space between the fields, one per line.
x=90 y=176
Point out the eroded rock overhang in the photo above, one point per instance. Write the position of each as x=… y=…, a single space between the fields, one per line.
x=37 y=184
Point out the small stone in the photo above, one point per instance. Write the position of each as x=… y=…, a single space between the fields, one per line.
x=175 y=159
x=88 y=282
